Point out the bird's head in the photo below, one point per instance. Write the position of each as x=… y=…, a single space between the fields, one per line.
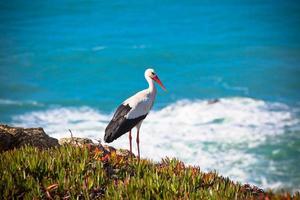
x=151 y=74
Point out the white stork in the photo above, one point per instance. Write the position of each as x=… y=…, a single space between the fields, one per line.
x=133 y=111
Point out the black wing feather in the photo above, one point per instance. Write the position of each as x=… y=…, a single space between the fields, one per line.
x=120 y=125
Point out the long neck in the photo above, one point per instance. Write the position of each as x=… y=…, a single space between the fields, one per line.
x=152 y=87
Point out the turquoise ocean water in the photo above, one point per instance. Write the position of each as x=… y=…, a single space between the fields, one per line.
x=68 y=64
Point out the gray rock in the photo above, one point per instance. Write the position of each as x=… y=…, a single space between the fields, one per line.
x=124 y=153
x=16 y=137
x=75 y=141
x=6 y=140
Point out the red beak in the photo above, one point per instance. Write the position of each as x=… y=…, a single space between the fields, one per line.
x=156 y=79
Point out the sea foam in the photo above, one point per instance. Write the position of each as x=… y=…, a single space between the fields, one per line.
x=216 y=135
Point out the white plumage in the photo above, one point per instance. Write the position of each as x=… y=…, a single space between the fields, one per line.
x=133 y=111
x=141 y=103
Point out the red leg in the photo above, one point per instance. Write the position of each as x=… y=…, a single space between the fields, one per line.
x=138 y=142
x=130 y=143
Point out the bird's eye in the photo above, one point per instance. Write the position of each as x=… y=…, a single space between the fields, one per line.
x=153 y=73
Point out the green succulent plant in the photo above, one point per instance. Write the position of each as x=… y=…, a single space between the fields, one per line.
x=73 y=172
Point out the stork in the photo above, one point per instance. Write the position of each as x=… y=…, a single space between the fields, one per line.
x=133 y=111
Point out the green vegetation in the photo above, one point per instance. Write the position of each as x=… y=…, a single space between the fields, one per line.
x=71 y=172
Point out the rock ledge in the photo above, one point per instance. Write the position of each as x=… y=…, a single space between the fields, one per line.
x=16 y=137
